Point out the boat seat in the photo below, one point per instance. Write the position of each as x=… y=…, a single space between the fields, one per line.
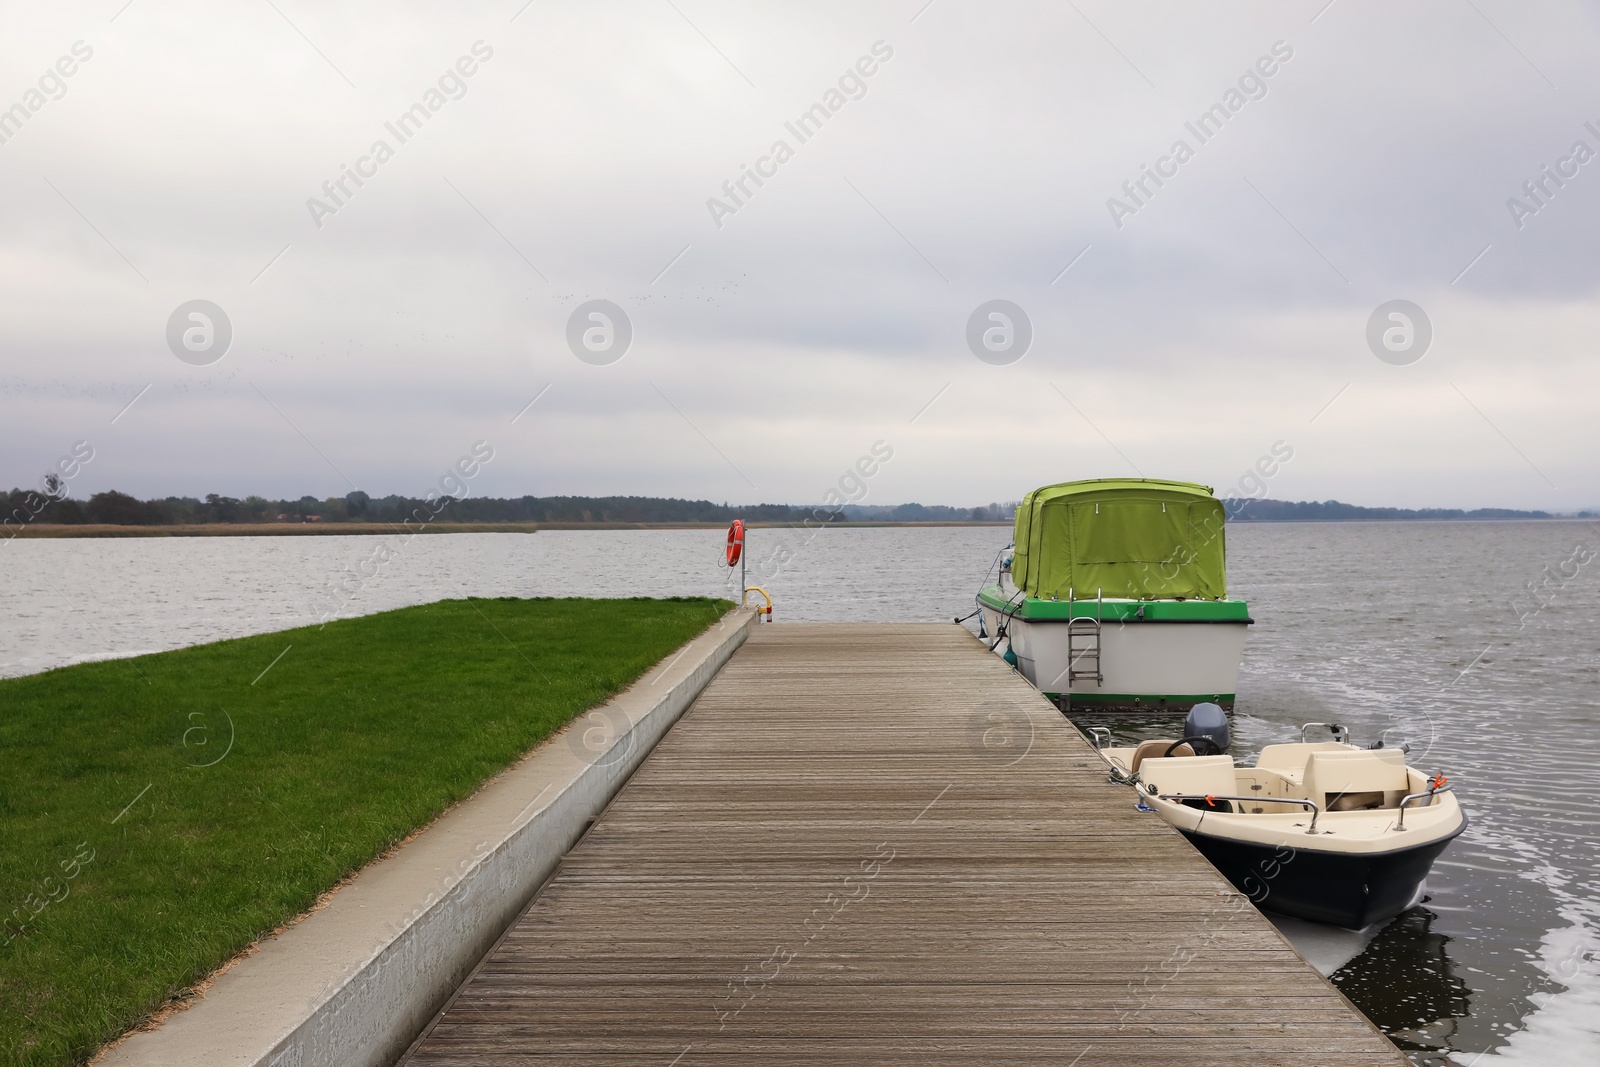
x=1151 y=749
x=1290 y=760
x=1199 y=775
x=1356 y=780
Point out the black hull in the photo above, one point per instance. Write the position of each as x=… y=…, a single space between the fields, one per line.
x=1338 y=888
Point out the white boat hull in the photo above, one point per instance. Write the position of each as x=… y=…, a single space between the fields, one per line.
x=1160 y=664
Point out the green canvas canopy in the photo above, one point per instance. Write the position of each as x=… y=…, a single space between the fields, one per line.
x=1120 y=537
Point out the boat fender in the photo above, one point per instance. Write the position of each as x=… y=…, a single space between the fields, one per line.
x=1010 y=657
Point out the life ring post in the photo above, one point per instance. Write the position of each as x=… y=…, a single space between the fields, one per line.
x=735 y=553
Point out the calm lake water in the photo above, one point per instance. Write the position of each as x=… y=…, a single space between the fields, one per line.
x=1425 y=629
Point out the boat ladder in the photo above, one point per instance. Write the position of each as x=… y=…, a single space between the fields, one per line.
x=1083 y=645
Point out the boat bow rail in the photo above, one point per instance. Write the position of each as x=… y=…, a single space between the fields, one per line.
x=1268 y=803
x=1433 y=791
x=1210 y=800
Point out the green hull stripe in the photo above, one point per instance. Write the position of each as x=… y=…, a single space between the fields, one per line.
x=1154 y=610
x=1146 y=698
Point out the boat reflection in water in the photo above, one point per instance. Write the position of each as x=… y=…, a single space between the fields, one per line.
x=1406 y=984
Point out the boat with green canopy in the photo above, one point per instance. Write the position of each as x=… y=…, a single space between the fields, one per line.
x=1115 y=594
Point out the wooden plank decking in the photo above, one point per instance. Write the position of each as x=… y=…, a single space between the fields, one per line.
x=876 y=844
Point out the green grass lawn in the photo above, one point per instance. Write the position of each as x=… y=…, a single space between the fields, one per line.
x=158 y=814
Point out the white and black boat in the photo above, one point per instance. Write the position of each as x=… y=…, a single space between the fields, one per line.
x=1324 y=831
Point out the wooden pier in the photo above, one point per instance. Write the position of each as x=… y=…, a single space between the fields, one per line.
x=875 y=844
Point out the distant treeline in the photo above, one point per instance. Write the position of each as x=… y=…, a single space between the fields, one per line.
x=123 y=510
x=120 y=509
x=1246 y=510
x=927 y=513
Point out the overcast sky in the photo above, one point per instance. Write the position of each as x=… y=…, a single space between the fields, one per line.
x=381 y=330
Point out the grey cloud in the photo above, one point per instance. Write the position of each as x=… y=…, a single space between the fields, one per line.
x=987 y=147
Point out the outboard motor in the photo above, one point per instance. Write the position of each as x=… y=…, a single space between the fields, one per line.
x=1209 y=721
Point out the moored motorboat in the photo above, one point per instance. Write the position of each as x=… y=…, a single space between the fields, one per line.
x=1115 y=595
x=1324 y=831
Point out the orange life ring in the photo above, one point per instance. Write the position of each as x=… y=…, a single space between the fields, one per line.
x=735 y=541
